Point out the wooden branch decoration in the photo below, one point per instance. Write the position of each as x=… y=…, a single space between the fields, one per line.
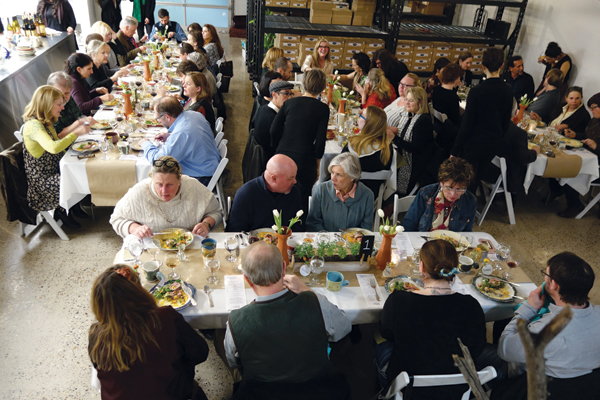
x=534 y=346
x=467 y=368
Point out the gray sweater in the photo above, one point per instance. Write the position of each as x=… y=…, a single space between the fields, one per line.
x=574 y=352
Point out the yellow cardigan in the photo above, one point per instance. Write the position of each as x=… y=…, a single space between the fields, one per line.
x=38 y=139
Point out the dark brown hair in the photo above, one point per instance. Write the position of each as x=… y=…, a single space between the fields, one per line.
x=215 y=39
x=439 y=257
x=574 y=277
x=456 y=170
x=451 y=72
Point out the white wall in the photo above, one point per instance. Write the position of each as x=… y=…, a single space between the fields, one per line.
x=573 y=24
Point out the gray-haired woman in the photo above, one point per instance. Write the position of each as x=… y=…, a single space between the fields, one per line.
x=69 y=120
x=343 y=202
x=101 y=75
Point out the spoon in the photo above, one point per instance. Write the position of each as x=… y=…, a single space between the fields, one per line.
x=187 y=291
x=207 y=291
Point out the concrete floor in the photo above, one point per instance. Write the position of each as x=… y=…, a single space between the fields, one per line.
x=45 y=284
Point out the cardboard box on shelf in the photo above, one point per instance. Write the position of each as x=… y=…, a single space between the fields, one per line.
x=321 y=5
x=351 y=44
x=341 y=17
x=476 y=64
x=283 y=14
x=406 y=61
x=442 y=46
x=336 y=50
x=375 y=44
x=310 y=39
x=270 y=3
x=477 y=56
x=364 y=6
x=362 y=18
x=419 y=54
x=340 y=5
x=420 y=68
x=406 y=54
x=335 y=42
x=427 y=8
x=424 y=46
x=320 y=17
x=289 y=45
x=440 y=54
x=291 y=54
x=479 y=48
x=282 y=3
x=298 y=4
x=421 y=61
x=460 y=47
x=347 y=65
x=477 y=70
x=337 y=58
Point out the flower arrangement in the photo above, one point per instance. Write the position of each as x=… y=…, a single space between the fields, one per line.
x=277 y=215
x=385 y=226
x=125 y=87
x=524 y=101
x=334 y=80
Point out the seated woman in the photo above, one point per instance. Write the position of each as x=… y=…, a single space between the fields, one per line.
x=320 y=58
x=574 y=118
x=272 y=54
x=79 y=67
x=264 y=96
x=194 y=26
x=426 y=347
x=109 y=36
x=168 y=199
x=446 y=204
x=414 y=139
x=554 y=58
x=102 y=76
x=435 y=79
x=201 y=62
x=195 y=87
x=70 y=117
x=361 y=65
x=43 y=151
x=372 y=146
x=141 y=350
x=464 y=61
x=547 y=98
x=378 y=91
x=396 y=108
x=212 y=45
x=195 y=39
x=343 y=202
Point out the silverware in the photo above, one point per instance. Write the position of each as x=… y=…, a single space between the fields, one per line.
x=374 y=286
x=187 y=291
x=162 y=282
x=207 y=291
x=500 y=279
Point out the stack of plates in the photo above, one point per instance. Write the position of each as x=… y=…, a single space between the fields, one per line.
x=25 y=51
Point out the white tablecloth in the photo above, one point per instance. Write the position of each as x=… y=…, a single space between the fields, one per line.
x=349 y=299
x=581 y=183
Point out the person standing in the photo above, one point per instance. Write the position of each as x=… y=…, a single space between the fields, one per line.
x=57 y=15
x=143 y=11
x=111 y=13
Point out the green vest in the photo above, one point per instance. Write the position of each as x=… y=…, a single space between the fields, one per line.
x=282 y=340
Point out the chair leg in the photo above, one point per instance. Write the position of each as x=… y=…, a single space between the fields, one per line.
x=588 y=207
x=488 y=203
x=56 y=225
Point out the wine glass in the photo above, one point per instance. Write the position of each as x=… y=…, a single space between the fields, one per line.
x=232 y=245
x=104 y=148
x=212 y=264
x=317 y=264
x=136 y=248
x=502 y=252
x=172 y=261
x=180 y=251
x=512 y=263
x=416 y=259
x=154 y=250
x=113 y=123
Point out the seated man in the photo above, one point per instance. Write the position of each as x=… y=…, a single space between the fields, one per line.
x=576 y=350
x=280 y=91
x=255 y=201
x=284 y=309
x=167 y=28
x=189 y=140
x=284 y=67
x=127 y=47
x=515 y=76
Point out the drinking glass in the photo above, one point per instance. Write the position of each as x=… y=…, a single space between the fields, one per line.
x=512 y=263
x=416 y=259
x=105 y=147
x=502 y=252
x=317 y=264
x=113 y=123
x=154 y=250
x=136 y=248
x=212 y=264
x=180 y=252
x=232 y=245
x=172 y=261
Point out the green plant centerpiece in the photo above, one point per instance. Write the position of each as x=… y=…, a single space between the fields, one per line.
x=330 y=250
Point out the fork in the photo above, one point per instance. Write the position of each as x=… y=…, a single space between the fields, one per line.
x=374 y=286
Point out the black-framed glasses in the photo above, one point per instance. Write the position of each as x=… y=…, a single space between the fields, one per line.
x=160 y=116
x=593 y=107
x=406 y=86
x=289 y=94
x=543 y=271
x=168 y=163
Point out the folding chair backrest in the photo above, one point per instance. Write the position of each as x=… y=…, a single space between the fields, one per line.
x=223 y=148
x=218 y=138
x=401 y=206
x=219 y=125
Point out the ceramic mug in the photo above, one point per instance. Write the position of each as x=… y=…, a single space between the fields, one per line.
x=209 y=248
x=123 y=147
x=335 y=281
x=151 y=270
x=466 y=263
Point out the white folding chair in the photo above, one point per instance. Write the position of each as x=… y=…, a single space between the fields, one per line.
x=593 y=200
x=414 y=189
x=402 y=380
x=19 y=136
x=219 y=137
x=223 y=148
x=378 y=176
x=43 y=216
x=216 y=185
x=95 y=381
x=219 y=125
x=309 y=202
x=499 y=187
x=401 y=206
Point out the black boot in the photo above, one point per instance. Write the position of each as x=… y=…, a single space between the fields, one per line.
x=78 y=212
x=67 y=220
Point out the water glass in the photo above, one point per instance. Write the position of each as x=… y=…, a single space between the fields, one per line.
x=104 y=148
x=416 y=259
x=317 y=264
x=502 y=252
x=136 y=248
x=212 y=264
x=232 y=245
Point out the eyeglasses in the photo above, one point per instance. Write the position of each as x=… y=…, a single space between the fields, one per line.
x=160 y=116
x=451 y=190
x=378 y=63
x=593 y=107
x=405 y=85
x=543 y=271
x=323 y=47
x=289 y=94
x=168 y=163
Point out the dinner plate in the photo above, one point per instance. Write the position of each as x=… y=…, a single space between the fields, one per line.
x=266 y=234
x=508 y=298
x=78 y=146
x=173 y=88
x=353 y=235
x=530 y=145
x=168 y=235
x=571 y=142
x=111 y=103
x=190 y=290
x=136 y=146
x=457 y=240
x=400 y=279
x=152 y=123
x=101 y=126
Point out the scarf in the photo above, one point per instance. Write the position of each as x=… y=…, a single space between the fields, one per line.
x=442 y=212
x=405 y=127
x=57 y=10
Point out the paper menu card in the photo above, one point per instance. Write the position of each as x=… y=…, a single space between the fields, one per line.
x=364 y=280
x=235 y=292
x=403 y=242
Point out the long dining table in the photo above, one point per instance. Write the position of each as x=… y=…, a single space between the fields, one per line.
x=354 y=300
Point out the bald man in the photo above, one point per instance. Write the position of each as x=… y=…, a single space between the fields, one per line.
x=275 y=189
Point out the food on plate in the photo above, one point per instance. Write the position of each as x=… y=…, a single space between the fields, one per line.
x=353 y=235
x=330 y=134
x=173 y=88
x=171 y=294
x=112 y=102
x=101 y=125
x=459 y=242
x=267 y=237
x=136 y=146
x=405 y=286
x=152 y=122
x=308 y=240
x=530 y=145
x=494 y=288
x=170 y=240
x=571 y=142
x=85 y=146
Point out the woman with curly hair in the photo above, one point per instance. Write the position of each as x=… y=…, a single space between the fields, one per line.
x=378 y=91
x=212 y=44
x=57 y=14
x=140 y=350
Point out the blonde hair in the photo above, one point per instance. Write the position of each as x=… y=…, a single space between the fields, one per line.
x=101 y=28
x=40 y=106
x=420 y=95
x=174 y=169
x=315 y=54
x=94 y=47
x=415 y=79
x=374 y=132
x=273 y=54
x=380 y=84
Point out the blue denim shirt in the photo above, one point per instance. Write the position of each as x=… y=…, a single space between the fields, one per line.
x=422 y=211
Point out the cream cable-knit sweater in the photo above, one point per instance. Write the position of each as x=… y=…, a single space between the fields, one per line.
x=141 y=204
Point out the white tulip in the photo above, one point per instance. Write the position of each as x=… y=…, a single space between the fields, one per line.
x=380 y=213
x=399 y=228
x=351 y=93
x=386 y=228
x=299 y=213
x=335 y=73
x=276 y=213
x=274 y=227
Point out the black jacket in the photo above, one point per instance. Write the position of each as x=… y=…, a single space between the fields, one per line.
x=111 y=13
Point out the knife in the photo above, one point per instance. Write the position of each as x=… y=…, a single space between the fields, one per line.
x=187 y=291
